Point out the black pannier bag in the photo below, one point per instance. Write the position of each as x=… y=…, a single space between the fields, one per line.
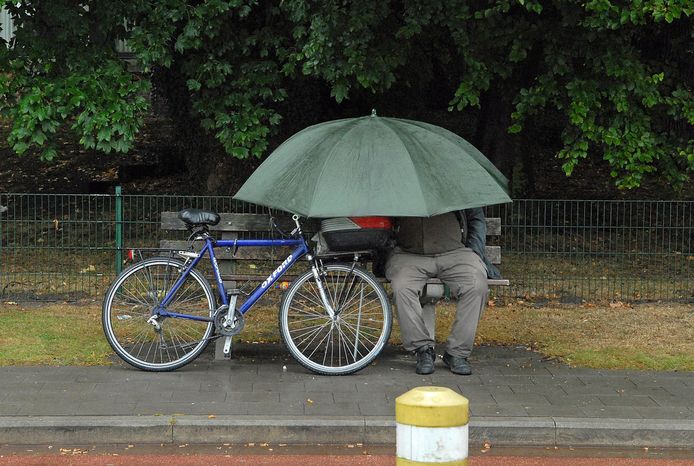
x=357 y=233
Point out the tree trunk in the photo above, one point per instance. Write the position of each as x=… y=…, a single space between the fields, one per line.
x=491 y=135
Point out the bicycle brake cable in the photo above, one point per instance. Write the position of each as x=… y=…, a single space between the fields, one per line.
x=273 y=227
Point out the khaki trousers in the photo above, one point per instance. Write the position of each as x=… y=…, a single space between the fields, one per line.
x=466 y=276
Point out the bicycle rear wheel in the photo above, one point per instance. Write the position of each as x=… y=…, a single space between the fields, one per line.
x=130 y=302
x=353 y=338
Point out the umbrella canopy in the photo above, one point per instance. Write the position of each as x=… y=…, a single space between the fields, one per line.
x=375 y=166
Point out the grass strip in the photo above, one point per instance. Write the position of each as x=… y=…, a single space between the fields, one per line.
x=605 y=336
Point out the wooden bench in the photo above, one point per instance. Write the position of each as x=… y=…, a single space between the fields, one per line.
x=234 y=226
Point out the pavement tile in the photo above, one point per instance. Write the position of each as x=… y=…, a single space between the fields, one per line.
x=552 y=410
x=192 y=384
x=98 y=408
x=646 y=391
x=197 y=396
x=119 y=387
x=607 y=381
x=370 y=387
x=279 y=387
x=375 y=396
x=612 y=412
x=679 y=390
x=479 y=398
x=660 y=412
x=542 y=389
x=673 y=401
x=137 y=395
x=522 y=399
x=162 y=408
x=496 y=410
x=508 y=380
x=594 y=389
x=270 y=397
x=525 y=370
x=658 y=380
x=460 y=380
x=52 y=374
x=494 y=390
x=340 y=384
x=348 y=408
x=19 y=386
x=557 y=380
x=564 y=371
x=229 y=385
x=21 y=396
x=302 y=397
x=626 y=400
x=10 y=409
x=46 y=408
x=67 y=386
x=278 y=409
x=370 y=408
x=212 y=408
x=575 y=400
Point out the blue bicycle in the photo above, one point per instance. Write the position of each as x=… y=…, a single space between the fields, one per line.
x=160 y=313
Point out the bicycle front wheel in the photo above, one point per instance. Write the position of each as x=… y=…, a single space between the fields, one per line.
x=350 y=340
x=132 y=300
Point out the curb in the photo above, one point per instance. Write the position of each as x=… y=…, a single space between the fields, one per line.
x=367 y=430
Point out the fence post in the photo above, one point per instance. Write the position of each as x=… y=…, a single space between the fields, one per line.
x=119 y=229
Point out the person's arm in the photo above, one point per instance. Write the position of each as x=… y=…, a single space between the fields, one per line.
x=476 y=238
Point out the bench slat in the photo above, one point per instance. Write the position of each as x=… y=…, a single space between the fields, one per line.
x=234 y=222
x=261 y=222
x=266 y=254
x=289 y=278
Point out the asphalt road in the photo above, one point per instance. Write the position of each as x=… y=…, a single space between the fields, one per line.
x=348 y=455
x=314 y=460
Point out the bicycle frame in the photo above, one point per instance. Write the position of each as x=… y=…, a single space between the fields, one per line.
x=301 y=250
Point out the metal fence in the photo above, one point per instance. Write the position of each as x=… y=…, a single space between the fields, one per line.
x=63 y=247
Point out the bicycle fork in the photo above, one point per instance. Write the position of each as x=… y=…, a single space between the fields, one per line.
x=321 y=290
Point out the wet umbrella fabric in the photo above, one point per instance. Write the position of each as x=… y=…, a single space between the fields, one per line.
x=375 y=166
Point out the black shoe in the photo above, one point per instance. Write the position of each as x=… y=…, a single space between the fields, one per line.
x=425 y=360
x=457 y=365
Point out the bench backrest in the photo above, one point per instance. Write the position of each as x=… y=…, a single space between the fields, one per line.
x=232 y=224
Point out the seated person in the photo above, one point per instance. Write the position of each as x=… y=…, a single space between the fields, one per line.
x=449 y=247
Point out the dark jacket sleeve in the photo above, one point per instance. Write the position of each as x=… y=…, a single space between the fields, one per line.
x=475 y=235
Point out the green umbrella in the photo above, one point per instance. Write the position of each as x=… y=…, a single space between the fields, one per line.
x=375 y=166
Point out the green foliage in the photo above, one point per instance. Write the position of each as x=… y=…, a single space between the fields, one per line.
x=63 y=70
x=615 y=74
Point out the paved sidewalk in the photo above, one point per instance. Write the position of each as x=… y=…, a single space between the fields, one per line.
x=262 y=395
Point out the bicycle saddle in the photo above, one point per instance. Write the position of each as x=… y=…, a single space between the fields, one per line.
x=198 y=217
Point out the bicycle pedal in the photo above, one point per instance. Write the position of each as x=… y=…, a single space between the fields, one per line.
x=227 y=348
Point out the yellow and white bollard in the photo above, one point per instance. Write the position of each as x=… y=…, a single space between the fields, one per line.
x=431 y=427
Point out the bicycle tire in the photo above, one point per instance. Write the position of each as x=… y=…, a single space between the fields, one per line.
x=128 y=305
x=349 y=342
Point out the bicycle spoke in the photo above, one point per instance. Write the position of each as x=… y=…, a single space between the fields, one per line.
x=131 y=303
x=353 y=337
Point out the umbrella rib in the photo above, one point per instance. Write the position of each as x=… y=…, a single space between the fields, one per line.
x=384 y=122
x=332 y=152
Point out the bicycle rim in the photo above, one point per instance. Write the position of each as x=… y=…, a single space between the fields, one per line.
x=128 y=307
x=336 y=346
